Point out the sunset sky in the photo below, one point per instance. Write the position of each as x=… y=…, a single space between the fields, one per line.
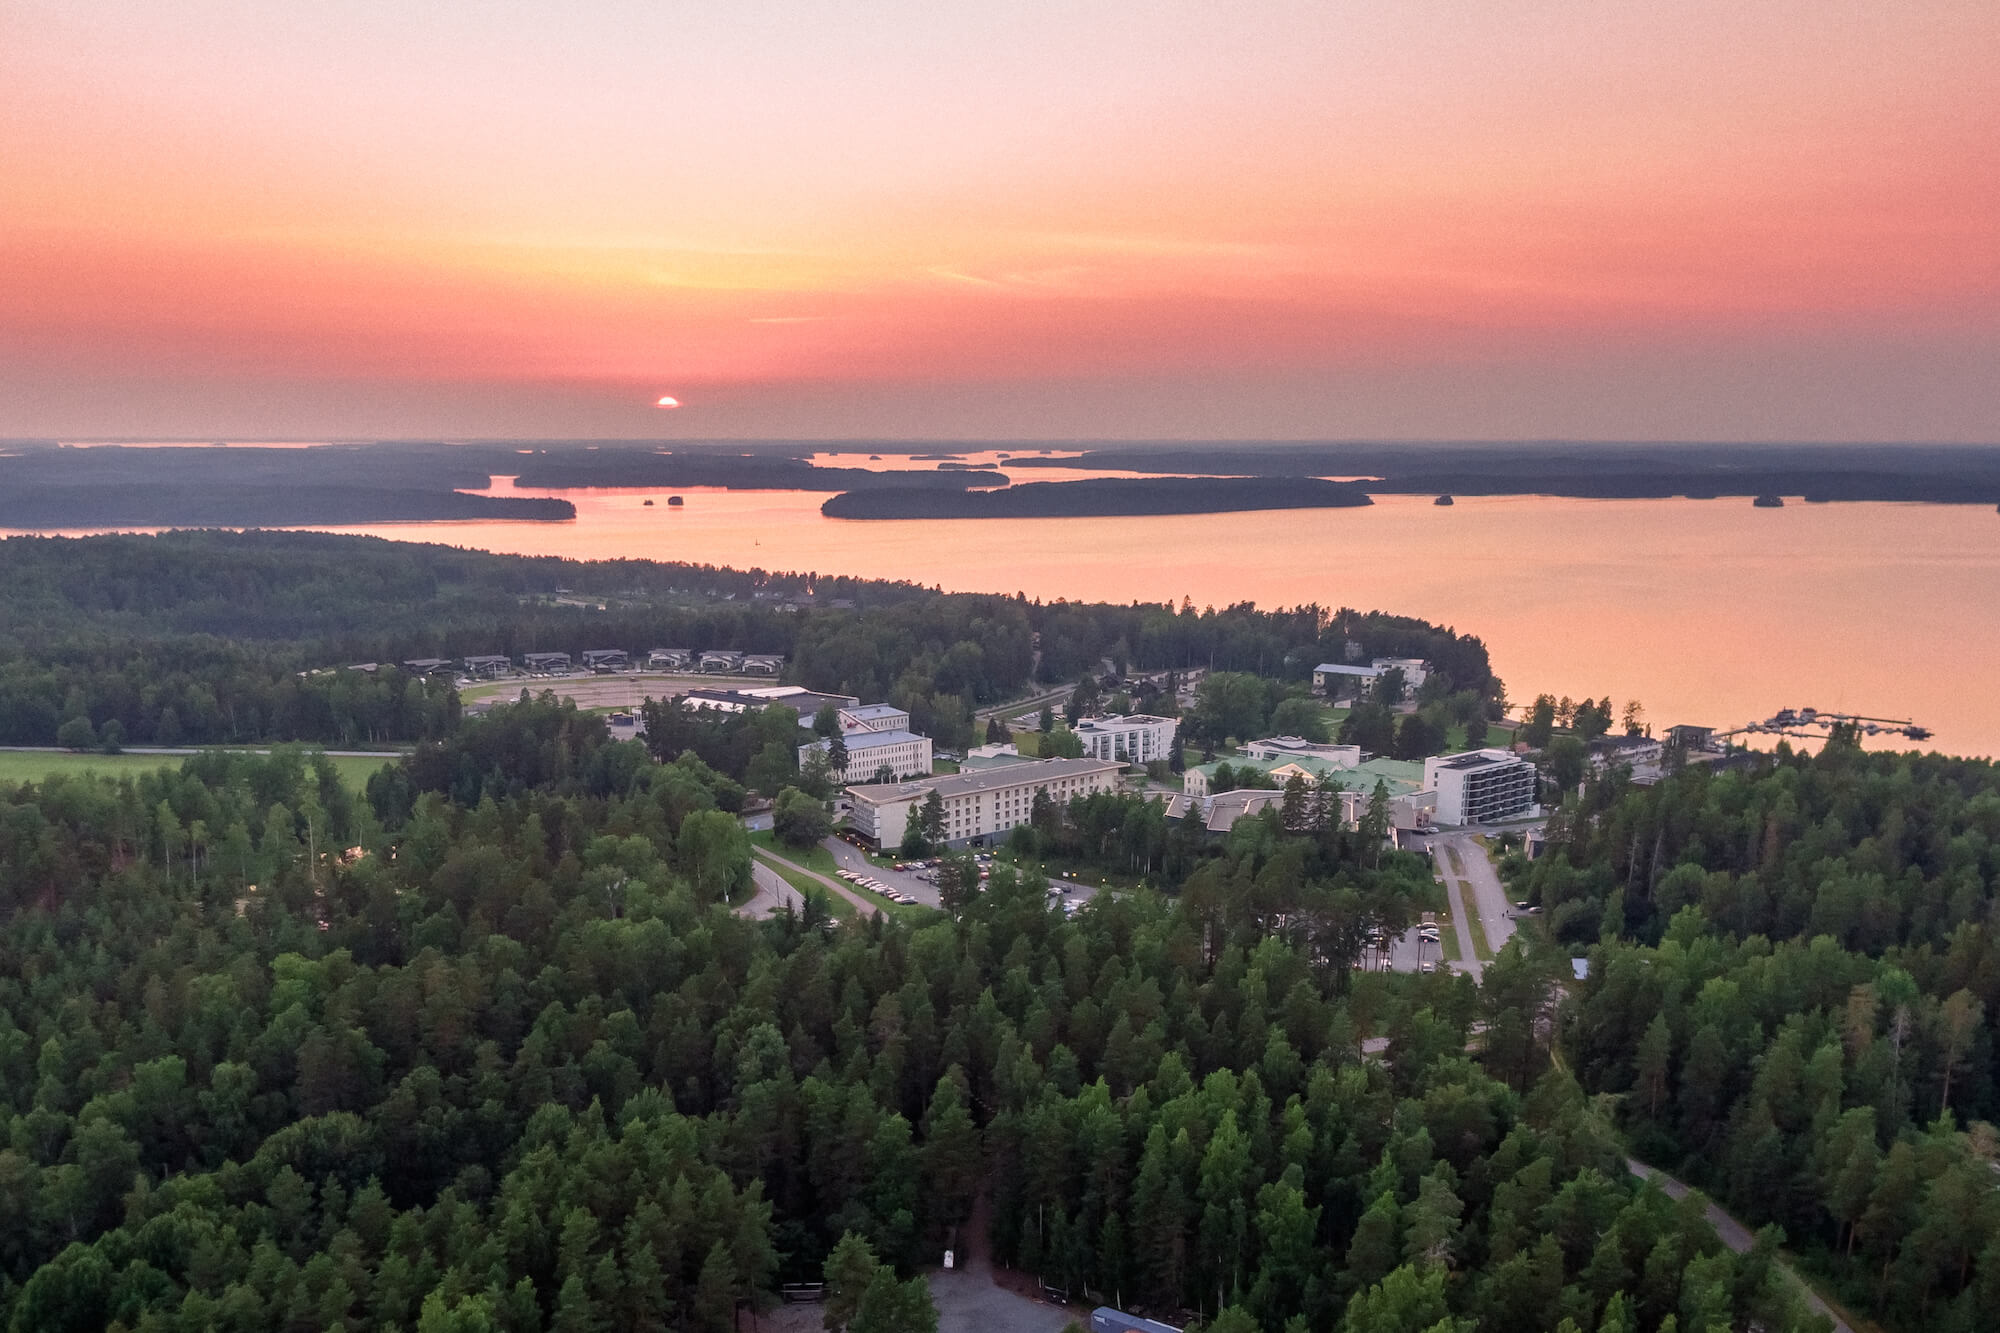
x=1709 y=219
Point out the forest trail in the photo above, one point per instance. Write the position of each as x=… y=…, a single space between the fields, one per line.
x=1736 y=1236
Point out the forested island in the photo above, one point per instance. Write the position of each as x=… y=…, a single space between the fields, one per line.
x=573 y=469
x=1964 y=474
x=249 y=487
x=45 y=486
x=1102 y=497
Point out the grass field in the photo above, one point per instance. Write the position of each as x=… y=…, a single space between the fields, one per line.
x=803 y=884
x=35 y=765
x=820 y=859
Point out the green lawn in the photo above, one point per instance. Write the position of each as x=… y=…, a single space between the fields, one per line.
x=820 y=859
x=34 y=766
x=805 y=884
x=814 y=857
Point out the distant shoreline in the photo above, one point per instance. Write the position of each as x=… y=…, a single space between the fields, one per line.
x=1103 y=498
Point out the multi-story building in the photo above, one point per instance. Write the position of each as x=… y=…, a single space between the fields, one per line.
x=904 y=753
x=806 y=703
x=1138 y=739
x=979 y=808
x=1296 y=747
x=874 y=717
x=1481 y=786
x=1415 y=672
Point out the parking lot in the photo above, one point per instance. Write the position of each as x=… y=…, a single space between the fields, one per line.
x=919 y=883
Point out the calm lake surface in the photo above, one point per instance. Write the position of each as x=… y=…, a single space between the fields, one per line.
x=1706 y=611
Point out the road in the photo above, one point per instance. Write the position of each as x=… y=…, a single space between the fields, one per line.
x=1476 y=872
x=1055 y=695
x=1468 y=956
x=1735 y=1235
x=772 y=893
x=833 y=886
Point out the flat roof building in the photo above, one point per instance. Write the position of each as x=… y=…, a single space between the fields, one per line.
x=1415 y=671
x=980 y=807
x=1293 y=747
x=904 y=753
x=874 y=717
x=1138 y=739
x=1482 y=786
x=806 y=703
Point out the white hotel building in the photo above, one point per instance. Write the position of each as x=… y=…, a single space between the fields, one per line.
x=1138 y=739
x=1481 y=786
x=877 y=736
x=979 y=807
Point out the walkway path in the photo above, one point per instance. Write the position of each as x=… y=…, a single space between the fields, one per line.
x=1736 y=1236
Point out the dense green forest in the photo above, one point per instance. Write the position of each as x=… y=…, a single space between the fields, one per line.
x=1794 y=982
x=489 y=1049
x=205 y=638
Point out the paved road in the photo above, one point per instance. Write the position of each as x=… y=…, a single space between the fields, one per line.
x=849 y=857
x=1735 y=1235
x=1054 y=696
x=771 y=895
x=833 y=886
x=1468 y=957
x=1476 y=872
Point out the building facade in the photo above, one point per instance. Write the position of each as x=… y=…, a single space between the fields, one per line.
x=1481 y=786
x=1294 y=747
x=904 y=753
x=874 y=717
x=1138 y=739
x=1331 y=674
x=979 y=808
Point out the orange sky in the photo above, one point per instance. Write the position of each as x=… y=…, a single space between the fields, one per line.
x=1619 y=220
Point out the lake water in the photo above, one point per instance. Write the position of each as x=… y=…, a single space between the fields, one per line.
x=1706 y=611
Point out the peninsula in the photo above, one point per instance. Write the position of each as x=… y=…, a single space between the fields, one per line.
x=1102 y=498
